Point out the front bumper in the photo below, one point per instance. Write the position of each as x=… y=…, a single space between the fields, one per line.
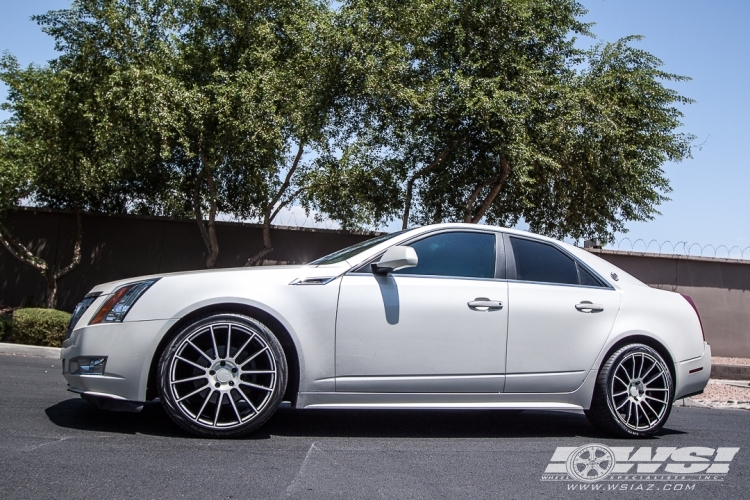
x=692 y=375
x=129 y=348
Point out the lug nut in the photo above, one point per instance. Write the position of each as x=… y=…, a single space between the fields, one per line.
x=234 y=370
x=217 y=385
x=231 y=384
x=211 y=372
x=223 y=363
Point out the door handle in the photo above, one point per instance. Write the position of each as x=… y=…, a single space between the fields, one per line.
x=588 y=307
x=484 y=304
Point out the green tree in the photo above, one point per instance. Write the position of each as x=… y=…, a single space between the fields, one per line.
x=487 y=110
x=223 y=106
x=49 y=156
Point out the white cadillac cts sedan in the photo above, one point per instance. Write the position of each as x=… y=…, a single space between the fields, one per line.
x=448 y=316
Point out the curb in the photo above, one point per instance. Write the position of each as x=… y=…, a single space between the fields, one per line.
x=30 y=350
x=730 y=372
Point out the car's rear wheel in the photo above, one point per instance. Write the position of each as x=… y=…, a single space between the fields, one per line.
x=222 y=376
x=633 y=394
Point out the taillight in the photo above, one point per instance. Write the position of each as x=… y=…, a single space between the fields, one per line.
x=690 y=301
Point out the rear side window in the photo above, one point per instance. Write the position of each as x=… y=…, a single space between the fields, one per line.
x=543 y=263
x=587 y=278
x=460 y=254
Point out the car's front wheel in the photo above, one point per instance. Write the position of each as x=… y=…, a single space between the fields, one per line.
x=633 y=394
x=222 y=376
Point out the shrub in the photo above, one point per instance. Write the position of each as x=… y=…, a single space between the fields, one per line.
x=45 y=327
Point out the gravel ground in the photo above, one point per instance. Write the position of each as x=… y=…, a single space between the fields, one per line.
x=716 y=360
x=720 y=390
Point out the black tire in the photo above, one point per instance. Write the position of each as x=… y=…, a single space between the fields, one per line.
x=633 y=394
x=212 y=391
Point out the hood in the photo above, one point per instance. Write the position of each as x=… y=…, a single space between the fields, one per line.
x=289 y=272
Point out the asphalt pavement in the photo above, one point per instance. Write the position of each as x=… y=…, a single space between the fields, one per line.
x=55 y=445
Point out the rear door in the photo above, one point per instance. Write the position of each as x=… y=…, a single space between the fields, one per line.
x=560 y=315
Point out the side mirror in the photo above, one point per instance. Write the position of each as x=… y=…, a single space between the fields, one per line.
x=396 y=258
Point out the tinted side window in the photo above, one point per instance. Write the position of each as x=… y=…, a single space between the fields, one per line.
x=587 y=278
x=543 y=263
x=465 y=254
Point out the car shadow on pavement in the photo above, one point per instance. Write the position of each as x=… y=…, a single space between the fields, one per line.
x=152 y=420
x=76 y=413
x=434 y=424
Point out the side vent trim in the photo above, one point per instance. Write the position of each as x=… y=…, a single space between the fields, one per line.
x=313 y=281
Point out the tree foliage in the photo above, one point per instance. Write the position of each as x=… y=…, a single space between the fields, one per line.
x=364 y=110
x=49 y=155
x=488 y=110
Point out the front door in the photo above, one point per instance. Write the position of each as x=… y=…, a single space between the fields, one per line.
x=438 y=327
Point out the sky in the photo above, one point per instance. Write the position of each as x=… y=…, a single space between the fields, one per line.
x=702 y=39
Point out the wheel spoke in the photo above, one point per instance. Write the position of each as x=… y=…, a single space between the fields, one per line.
x=247 y=399
x=257 y=372
x=653 y=365
x=645 y=414
x=187 y=379
x=203 y=407
x=619 y=394
x=643 y=362
x=256 y=386
x=657 y=400
x=621 y=381
x=627 y=375
x=637 y=418
x=630 y=410
x=200 y=389
x=229 y=343
x=190 y=363
x=253 y=356
x=201 y=352
x=660 y=374
x=218 y=408
x=213 y=339
x=244 y=345
x=231 y=400
x=622 y=404
x=656 y=413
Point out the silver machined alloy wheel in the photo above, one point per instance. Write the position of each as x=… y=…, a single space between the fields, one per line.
x=639 y=391
x=223 y=376
x=633 y=394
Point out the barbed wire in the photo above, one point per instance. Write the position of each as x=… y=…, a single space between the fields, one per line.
x=640 y=245
x=290 y=219
x=681 y=248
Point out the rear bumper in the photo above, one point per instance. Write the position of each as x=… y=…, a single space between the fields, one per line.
x=692 y=375
x=128 y=348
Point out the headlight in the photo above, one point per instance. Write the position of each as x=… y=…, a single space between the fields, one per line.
x=116 y=307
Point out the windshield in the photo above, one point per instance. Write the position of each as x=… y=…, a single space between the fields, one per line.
x=353 y=250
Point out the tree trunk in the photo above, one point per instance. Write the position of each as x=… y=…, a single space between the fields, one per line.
x=207 y=229
x=410 y=185
x=272 y=210
x=51 y=277
x=495 y=184
x=267 y=248
x=51 y=300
